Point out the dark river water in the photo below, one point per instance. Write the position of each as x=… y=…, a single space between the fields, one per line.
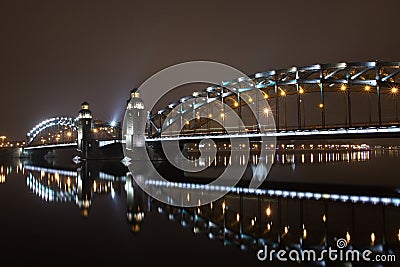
x=61 y=213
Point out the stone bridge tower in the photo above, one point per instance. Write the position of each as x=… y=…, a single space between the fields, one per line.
x=84 y=130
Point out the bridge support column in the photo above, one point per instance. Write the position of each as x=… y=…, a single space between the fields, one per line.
x=349 y=106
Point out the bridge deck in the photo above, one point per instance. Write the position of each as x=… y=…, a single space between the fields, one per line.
x=371 y=132
x=334 y=133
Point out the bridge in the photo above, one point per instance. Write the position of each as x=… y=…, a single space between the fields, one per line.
x=62 y=131
x=83 y=134
x=341 y=100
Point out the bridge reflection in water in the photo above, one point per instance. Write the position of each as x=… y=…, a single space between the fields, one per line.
x=290 y=218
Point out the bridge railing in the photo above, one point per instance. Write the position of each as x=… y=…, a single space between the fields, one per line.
x=254 y=129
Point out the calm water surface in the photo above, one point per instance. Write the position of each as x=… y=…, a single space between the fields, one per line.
x=58 y=212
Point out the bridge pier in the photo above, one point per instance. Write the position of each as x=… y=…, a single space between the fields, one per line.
x=87 y=146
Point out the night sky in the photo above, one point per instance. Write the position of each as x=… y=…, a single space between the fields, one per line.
x=56 y=54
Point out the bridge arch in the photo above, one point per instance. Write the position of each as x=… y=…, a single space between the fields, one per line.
x=322 y=96
x=65 y=131
x=68 y=122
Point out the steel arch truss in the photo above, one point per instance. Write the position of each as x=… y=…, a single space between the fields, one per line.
x=377 y=78
x=57 y=121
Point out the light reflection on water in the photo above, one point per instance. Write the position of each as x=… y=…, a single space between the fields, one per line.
x=243 y=218
x=289 y=158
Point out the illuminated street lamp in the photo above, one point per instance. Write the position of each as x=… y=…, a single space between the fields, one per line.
x=2 y=138
x=322 y=107
x=283 y=95
x=300 y=107
x=343 y=89
x=394 y=91
x=367 y=89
